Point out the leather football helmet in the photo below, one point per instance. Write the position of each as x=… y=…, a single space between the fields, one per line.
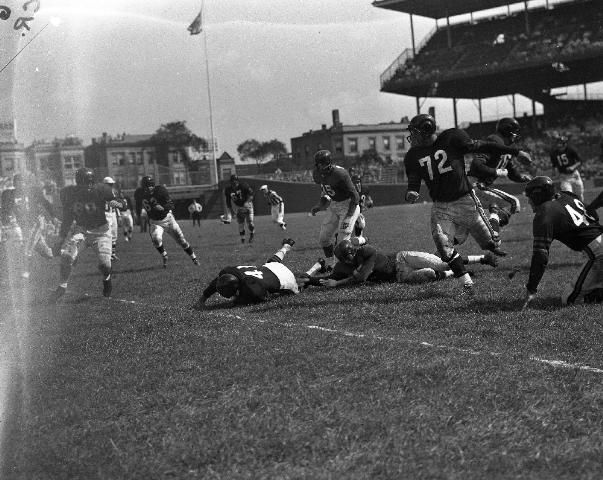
x=540 y=190
x=227 y=285
x=147 y=182
x=561 y=141
x=345 y=251
x=509 y=128
x=84 y=177
x=422 y=125
x=323 y=161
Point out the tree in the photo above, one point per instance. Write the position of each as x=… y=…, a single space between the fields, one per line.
x=261 y=152
x=177 y=135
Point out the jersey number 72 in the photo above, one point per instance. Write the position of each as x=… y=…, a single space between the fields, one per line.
x=439 y=161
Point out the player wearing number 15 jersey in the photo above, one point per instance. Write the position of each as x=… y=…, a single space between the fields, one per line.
x=563 y=217
x=439 y=161
x=85 y=224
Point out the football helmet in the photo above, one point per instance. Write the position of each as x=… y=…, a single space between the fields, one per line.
x=234 y=179
x=561 y=141
x=345 y=251
x=323 y=161
x=540 y=190
x=147 y=182
x=509 y=128
x=421 y=126
x=264 y=188
x=227 y=285
x=356 y=179
x=84 y=177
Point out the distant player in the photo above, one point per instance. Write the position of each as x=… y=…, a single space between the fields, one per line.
x=155 y=199
x=246 y=284
x=239 y=202
x=563 y=217
x=339 y=198
x=195 y=209
x=364 y=203
x=438 y=160
x=277 y=206
x=23 y=212
x=359 y=264
x=125 y=217
x=85 y=224
x=566 y=161
x=113 y=219
x=487 y=167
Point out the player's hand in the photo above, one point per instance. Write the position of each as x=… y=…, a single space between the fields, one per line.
x=158 y=208
x=56 y=249
x=528 y=299
x=502 y=172
x=411 y=196
x=115 y=204
x=524 y=157
x=314 y=210
x=328 y=282
x=525 y=178
x=480 y=185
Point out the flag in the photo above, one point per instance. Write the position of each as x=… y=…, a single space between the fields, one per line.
x=195 y=27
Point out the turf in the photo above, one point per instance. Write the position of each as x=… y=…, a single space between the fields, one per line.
x=383 y=381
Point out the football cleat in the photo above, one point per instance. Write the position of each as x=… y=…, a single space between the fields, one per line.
x=498 y=252
x=165 y=260
x=251 y=237
x=114 y=258
x=196 y=261
x=288 y=241
x=56 y=295
x=242 y=240
x=284 y=226
x=468 y=289
x=107 y=288
x=323 y=265
x=489 y=259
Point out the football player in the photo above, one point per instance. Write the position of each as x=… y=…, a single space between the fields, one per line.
x=364 y=202
x=361 y=263
x=340 y=198
x=113 y=219
x=438 y=160
x=563 y=217
x=155 y=199
x=23 y=213
x=85 y=224
x=277 y=206
x=127 y=222
x=566 y=161
x=486 y=168
x=597 y=203
x=246 y=284
x=239 y=202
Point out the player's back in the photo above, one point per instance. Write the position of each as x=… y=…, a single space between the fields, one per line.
x=565 y=219
x=255 y=282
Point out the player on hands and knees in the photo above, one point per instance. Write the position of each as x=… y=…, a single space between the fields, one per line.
x=438 y=160
x=563 y=217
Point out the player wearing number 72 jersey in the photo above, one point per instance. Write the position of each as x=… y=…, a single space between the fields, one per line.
x=439 y=161
x=563 y=217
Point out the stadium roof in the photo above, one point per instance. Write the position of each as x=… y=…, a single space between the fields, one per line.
x=439 y=8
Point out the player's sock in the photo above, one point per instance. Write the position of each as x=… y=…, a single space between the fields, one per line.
x=471 y=259
x=161 y=250
x=443 y=275
x=495 y=222
x=242 y=234
x=465 y=279
x=317 y=267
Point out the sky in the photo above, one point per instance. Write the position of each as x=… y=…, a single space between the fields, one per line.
x=277 y=68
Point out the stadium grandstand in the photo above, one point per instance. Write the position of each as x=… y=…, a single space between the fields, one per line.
x=482 y=49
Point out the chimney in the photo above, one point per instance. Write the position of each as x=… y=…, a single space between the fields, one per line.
x=336 y=121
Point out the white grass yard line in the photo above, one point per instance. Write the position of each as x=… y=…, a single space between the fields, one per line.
x=450 y=348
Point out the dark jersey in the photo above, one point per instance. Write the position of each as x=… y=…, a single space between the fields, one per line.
x=256 y=283
x=238 y=195
x=442 y=164
x=337 y=184
x=369 y=264
x=24 y=206
x=149 y=201
x=484 y=165
x=563 y=158
x=564 y=219
x=85 y=205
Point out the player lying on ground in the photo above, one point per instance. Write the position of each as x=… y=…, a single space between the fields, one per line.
x=246 y=284
x=358 y=264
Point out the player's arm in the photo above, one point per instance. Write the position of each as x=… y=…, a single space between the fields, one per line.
x=322 y=204
x=461 y=140
x=515 y=175
x=138 y=201
x=595 y=204
x=479 y=167
x=227 y=194
x=353 y=195
x=209 y=290
x=543 y=237
x=413 y=174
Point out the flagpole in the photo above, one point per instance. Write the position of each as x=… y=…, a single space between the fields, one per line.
x=211 y=121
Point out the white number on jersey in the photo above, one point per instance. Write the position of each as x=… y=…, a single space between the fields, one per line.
x=252 y=273
x=439 y=156
x=579 y=216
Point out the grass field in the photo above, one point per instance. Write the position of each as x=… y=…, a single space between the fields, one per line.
x=381 y=381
